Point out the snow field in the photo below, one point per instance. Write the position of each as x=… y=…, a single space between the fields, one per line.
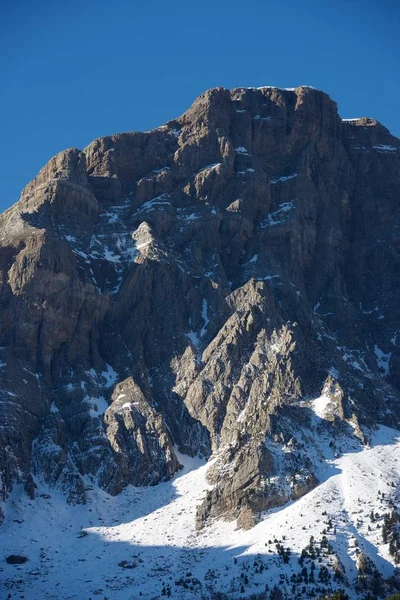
x=153 y=530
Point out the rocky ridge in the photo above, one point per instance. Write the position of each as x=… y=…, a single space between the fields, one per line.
x=209 y=286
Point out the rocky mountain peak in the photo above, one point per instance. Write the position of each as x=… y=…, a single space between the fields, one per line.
x=199 y=288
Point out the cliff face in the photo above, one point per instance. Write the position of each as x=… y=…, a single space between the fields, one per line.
x=199 y=287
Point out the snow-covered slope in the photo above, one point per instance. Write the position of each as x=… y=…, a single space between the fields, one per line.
x=144 y=542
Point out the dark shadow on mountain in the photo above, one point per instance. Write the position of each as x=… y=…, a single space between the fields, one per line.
x=133 y=502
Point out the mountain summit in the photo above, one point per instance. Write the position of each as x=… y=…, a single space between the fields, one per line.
x=224 y=286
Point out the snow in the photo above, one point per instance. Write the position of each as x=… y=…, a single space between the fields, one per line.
x=385 y=148
x=153 y=529
x=241 y=150
x=161 y=200
x=110 y=376
x=194 y=338
x=143 y=245
x=211 y=167
x=123 y=248
x=70 y=238
x=321 y=406
x=285 y=89
x=192 y=335
x=370 y=312
x=158 y=171
x=279 y=216
x=241 y=416
x=110 y=255
x=334 y=372
x=83 y=255
x=269 y=277
x=190 y=217
x=349 y=358
x=114 y=246
x=283 y=178
x=383 y=359
x=204 y=308
x=97 y=405
x=254 y=259
x=259 y=118
x=355 y=119
x=111 y=216
x=127 y=405
x=381 y=148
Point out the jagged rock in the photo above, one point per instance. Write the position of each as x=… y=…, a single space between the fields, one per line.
x=126 y=564
x=215 y=285
x=82 y=534
x=16 y=559
x=139 y=437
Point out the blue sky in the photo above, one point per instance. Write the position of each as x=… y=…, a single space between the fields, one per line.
x=73 y=71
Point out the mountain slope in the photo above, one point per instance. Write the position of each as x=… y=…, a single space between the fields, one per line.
x=145 y=540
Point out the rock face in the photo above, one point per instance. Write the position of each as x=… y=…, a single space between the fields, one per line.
x=206 y=286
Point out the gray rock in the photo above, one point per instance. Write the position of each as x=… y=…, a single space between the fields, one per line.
x=16 y=559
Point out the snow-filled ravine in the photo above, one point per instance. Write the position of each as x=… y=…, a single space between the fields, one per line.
x=143 y=543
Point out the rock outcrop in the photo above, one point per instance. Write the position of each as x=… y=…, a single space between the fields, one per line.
x=198 y=287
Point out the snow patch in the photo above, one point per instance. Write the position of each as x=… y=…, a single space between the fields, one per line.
x=383 y=359
x=385 y=148
x=194 y=338
x=110 y=376
x=279 y=216
x=97 y=406
x=321 y=406
x=209 y=167
x=242 y=150
x=162 y=170
x=161 y=200
x=175 y=132
x=283 y=178
x=204 y=308
x=333 y=372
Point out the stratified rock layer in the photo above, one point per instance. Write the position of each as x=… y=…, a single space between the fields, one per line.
x=199 y=287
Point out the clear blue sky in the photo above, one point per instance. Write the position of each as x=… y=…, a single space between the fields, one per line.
x=73 y=71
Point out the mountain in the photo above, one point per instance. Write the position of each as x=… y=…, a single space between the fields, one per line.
x=224 y=287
